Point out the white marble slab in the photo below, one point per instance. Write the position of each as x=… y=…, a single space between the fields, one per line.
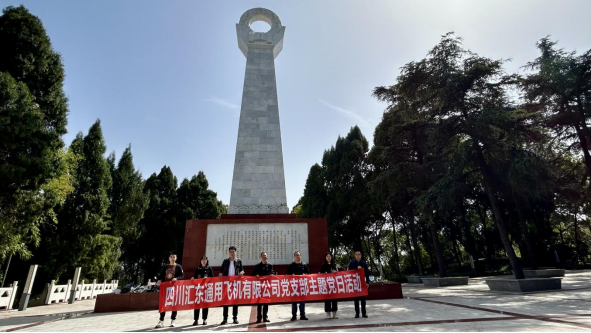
x=279 y=240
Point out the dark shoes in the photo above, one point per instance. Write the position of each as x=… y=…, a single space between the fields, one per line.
x=294 y=318
x=258 y=321
x=195 y=323
x=235 y=321
x=357 y=315
x=266 y=320
x=204 y=322
x=364 y=316
x=224 y=322
x=303 y=318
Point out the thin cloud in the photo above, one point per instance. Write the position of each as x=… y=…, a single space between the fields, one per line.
x=349 y=113
x=224 y=103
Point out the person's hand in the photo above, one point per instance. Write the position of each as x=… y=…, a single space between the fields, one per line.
x=173 y=279
x=257 y=275
x=359 y=267
x=221 y=274
x=158 y=282
x=241 y=273
x=192 y=278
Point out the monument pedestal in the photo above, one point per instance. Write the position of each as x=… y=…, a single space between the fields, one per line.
x=280 y=235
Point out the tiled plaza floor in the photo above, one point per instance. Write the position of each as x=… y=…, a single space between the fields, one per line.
x=467 y=308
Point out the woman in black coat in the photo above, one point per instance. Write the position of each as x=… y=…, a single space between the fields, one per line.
x=202 y=272
x=329 y=266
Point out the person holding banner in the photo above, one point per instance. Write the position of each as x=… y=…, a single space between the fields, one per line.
x=360 y=264
x=230 y=267
x=329 y=266
x=202 y=272
x=171 y=272
x=298 y=267
x=262 y=269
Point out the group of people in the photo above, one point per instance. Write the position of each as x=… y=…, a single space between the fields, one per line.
x=232 y=266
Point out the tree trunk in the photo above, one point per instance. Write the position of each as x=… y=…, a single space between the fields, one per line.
x=410 y=250
x=525 y=233
x=396 y=257
x=438 y=250
x=496 y=208
x=413 y=234
x=457 y=253
x=577 y=247
x=584 y=148
x=369 y=256
x=467 y=233
x=489 y=251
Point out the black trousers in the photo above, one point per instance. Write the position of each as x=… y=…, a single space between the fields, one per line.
x=331 y=306
x=362 y=299
x=196 y=314
x=265 y=308
x=173 y=316
x=234 y=311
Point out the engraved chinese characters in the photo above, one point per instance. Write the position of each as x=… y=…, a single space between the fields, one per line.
x=212 y=292
x=279 y=240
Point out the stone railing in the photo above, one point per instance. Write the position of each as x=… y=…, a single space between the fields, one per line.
x=61 y=293
x=7 y=295
x=57 y=293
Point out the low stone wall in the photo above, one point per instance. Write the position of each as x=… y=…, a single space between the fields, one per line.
x=7 y=295
x=416 y=279
x=445 y=282
x=523 y=285
x=543 y=273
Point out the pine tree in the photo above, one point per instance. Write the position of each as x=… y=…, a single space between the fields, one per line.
x=159 y=227
x=33 y=110
x=79 y=238
x=128 y=202
x=314 y=201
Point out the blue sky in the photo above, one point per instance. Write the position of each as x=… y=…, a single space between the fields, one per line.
x=166 y=76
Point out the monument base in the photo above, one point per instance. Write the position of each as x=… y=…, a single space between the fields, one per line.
x=523 y=285
x=445 y=282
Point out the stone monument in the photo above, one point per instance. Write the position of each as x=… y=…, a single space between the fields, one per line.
x=258 y=218
x=258 y=183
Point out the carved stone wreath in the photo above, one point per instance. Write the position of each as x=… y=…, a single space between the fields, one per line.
x=261 y=14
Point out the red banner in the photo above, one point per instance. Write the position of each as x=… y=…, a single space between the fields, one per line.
x=241 y=289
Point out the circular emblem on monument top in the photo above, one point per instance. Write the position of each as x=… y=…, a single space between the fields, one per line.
x=260 y=14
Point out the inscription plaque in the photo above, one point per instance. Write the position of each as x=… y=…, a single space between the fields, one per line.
x=279 y=240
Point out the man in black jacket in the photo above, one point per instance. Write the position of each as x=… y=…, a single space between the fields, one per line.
x=360 y=264
x=230 y=267
x=170 y=272
x=261 y=269
x=298 y=267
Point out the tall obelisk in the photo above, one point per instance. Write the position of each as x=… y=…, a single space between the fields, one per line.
x=258 y=183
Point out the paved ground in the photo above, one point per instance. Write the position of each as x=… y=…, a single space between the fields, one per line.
x=471 y=308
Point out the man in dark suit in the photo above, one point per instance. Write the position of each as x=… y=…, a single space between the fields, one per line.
x=261 y=269
x=230 y=267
